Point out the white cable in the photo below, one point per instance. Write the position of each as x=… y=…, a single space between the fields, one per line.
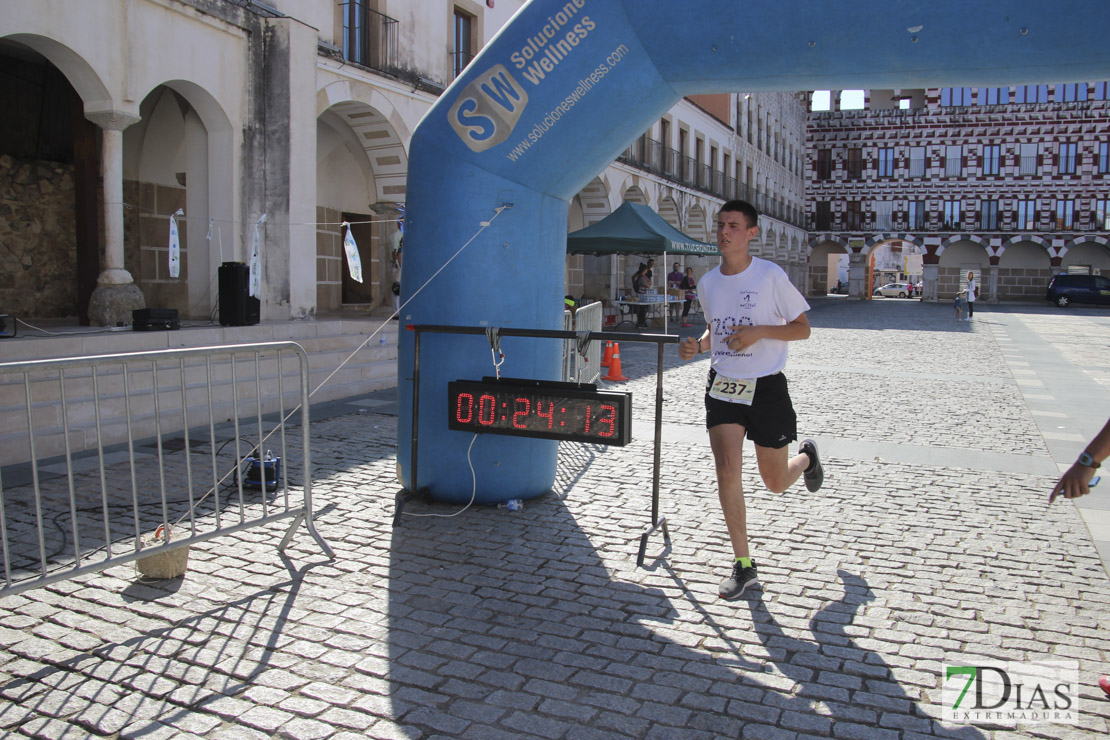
x=102 y=330
x=485 y=225
x=367 y=340
x=473 y=490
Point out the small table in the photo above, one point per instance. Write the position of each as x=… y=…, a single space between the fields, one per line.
x=652 y=306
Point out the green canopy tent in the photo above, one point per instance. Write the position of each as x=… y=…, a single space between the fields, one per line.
x=636 y=229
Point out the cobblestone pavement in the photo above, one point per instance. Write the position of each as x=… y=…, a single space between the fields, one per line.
x=931 y=539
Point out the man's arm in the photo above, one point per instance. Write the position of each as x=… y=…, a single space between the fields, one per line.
x=745 y=336
x=689 y=348
x=1076 y=482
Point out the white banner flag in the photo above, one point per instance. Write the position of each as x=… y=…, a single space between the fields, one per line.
x=255 y=276
x=354 y=262
x=175 y=245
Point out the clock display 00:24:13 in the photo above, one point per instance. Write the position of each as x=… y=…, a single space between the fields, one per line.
x=536 y=408
x=574 y=415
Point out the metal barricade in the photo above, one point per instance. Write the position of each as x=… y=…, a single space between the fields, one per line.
x=207 y=449
x=577 y=367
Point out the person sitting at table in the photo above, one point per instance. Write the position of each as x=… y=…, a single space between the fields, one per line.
x=639 y=287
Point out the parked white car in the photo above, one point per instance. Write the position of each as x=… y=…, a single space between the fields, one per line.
x=894 y=290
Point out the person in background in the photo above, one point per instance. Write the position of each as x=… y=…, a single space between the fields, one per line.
x=674 y=282
x=639 y=287
x=972 y=293
x=395 y=269
x=689 y=285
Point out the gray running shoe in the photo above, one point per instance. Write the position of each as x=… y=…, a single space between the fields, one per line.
x=814 y=475
x=735 y=584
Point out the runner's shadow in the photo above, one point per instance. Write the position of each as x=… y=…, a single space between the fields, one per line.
x=836 y=672
x=514 y=624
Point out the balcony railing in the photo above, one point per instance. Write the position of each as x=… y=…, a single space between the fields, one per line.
x=369 y=37
x=652 y=157
x=868 y=224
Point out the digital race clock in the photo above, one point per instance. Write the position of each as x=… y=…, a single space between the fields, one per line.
x=540 y=408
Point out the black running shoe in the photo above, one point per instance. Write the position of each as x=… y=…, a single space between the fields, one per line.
x=736 y=583
x=814 y=475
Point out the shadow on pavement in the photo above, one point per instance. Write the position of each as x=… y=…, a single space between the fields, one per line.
x=526 y=631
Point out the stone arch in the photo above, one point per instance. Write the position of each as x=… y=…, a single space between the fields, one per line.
x=1093 y=252
x=1087 y=239
x=85 y=80
x=820 y=271
x=1023 y=271
x=181 y=154
x=633 y=194
x=914 y=239
x=1026 y=238
x=763 y=245
x=815 y=240
x=668 y=209
x=382 y=144
x=956 y=238
x=955 y=257
x=696 y=222
x=594 y=201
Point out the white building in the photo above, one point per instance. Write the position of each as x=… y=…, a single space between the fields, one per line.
x=123 y=112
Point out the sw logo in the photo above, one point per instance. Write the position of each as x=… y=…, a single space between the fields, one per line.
x=1008 y=693
x=488 y=109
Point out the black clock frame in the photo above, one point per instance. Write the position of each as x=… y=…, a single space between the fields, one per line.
x=575 y=412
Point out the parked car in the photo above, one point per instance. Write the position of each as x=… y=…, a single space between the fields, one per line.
x=1063 y=290
x=893 y=290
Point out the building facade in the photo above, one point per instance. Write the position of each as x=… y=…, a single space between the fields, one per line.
x=286 y=124
x=1008 y=183
x=281 y=124
x=705 y=150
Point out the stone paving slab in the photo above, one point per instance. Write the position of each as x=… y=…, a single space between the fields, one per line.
x=485 y=623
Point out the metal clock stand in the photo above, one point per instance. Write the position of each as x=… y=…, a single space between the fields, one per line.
x=657 y=522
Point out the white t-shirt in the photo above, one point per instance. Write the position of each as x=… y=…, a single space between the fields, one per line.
x=761 y=295
x=972 y=289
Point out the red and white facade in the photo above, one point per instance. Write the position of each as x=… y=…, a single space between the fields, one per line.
x=1011 y=183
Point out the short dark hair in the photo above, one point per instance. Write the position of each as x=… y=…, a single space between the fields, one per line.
x=744 y=207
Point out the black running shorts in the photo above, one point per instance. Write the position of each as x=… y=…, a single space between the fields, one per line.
x=770 y=421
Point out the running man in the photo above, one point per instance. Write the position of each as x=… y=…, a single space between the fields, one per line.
x=751 y=310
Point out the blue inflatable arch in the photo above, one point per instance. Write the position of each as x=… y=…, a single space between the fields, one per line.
x=566 y=86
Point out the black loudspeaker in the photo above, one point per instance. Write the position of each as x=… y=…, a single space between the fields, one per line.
x=154 y=319
x=237 y=306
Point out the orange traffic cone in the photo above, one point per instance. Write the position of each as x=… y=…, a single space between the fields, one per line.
x=608 y=356
x=615 y=365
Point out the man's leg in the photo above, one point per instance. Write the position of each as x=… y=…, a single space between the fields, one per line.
x=778 y=469
x=727 y=442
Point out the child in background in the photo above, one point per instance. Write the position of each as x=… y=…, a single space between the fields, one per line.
x=961 y=306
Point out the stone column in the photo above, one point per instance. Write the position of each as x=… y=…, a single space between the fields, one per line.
x=994 y=259
x=929 y=274
x=990 y=280
x=116 y=294
x=930 y=270
x=858 y=289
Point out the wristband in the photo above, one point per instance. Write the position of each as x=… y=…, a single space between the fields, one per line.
x=1087 y=461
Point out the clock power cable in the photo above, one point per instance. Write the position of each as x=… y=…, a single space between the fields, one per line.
x=473 y=489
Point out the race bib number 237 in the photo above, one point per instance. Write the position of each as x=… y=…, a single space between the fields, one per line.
x=733 y=390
